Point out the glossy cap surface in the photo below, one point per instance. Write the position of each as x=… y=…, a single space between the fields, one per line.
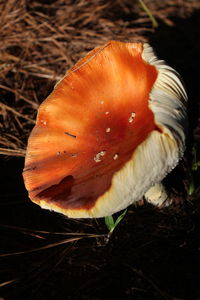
x=81 y=155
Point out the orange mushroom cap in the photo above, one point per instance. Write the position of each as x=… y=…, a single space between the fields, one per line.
x=112 y=127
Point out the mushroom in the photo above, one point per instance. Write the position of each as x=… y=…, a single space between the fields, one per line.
x=108 y=134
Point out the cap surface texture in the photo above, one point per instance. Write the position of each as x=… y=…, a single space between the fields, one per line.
x=111 y=128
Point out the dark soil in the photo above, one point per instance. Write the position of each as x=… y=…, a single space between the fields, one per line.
x=153 y=253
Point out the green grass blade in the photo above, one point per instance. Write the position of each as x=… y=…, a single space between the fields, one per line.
x=111 y=224
x=191 y=189
x=109 y=221
x=147 y=10
x=120 y=217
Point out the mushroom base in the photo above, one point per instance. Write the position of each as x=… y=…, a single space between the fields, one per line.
x=157 y=195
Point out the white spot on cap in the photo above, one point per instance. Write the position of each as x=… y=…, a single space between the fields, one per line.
x=108 y=130
x=115 y=156
x=102 y=102
x=58 y=153
x=107 y=112
x=43 y=122
x=132 y=117
x=99 y=155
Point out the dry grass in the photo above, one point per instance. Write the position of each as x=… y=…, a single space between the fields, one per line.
x=40 y=41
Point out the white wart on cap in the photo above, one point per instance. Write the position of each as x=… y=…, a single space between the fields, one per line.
x=112 y=128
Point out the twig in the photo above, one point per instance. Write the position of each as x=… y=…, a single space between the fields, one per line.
x=63 y=242
x=13 y=152
x=34 y=105
x=39 y=75
x=7 y=282
x=4 y=106
x=27 y=230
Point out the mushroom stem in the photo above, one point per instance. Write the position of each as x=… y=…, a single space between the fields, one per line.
x=157 y=195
